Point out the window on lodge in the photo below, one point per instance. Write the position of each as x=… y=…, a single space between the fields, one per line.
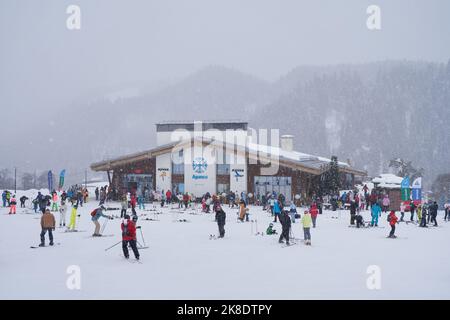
x=178 y=168
x=223 y=165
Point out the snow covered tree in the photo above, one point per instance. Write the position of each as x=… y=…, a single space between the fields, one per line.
x=405 y=168
x=28 y=181
x=329 y=178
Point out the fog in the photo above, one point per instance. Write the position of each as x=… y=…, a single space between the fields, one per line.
x=47 y=70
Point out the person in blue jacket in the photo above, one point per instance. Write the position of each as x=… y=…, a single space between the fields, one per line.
x=276 y=210
x=376 y=212
x=97 y=214
x=4 y=198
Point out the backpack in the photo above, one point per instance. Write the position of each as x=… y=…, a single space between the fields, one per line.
x=93 y=213
x=389 y=218
x=125 y=232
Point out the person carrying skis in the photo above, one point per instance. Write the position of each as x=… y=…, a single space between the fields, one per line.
x=306 y=222
x=285 y=227
x=62 y=214
x=129 y=237
x=47 y=224
x=376 y=213
x=96 y=215
x=314 y=212
x=220 y=218
x=12 y=203
x=393 y=220
x=73 y=217
x=270 y=230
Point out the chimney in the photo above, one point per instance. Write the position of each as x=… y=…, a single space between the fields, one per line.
x=287 y=142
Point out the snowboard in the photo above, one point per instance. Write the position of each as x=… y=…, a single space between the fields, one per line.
x=36 y=247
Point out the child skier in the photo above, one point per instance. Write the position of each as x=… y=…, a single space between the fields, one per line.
x=286 y=226
x=220 y=218
x=62 y=214
x=54 y=201
x=376 y=212
x=306 y=222
x=47 y=224
x=12 y=203
x=96 y=215
x=292 y=212
x=124 y=205
x=270 y=230
x=129 y=237
x=314 y=212
x=392 y=218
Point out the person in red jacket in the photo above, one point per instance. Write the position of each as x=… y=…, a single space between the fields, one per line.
x=314 y=212
x=129 y=237
x=168 y=196
x=392 y=218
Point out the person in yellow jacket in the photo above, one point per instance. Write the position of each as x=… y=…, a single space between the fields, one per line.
x=306 y=222
x=419 y=212
x=73 y=217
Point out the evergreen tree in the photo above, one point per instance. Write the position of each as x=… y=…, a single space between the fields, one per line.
x=334 y=182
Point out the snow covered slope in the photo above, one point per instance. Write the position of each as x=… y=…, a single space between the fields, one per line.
x=182 y=263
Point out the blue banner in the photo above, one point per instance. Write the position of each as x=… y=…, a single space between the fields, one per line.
x=417 y=189
x=61 y=178
x=50 y=181
x=405 y=191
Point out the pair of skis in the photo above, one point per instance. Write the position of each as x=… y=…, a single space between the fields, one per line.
x=36 y=247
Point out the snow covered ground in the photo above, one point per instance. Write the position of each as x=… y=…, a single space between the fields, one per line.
x=182 y=263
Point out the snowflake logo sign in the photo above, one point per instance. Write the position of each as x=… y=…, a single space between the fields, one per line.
x=199 y=165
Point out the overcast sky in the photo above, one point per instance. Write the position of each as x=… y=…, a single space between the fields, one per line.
x=42 y=62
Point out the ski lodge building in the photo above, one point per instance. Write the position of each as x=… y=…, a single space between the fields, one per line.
x=216 y=157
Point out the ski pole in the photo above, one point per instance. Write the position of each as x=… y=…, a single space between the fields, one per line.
x=143 y=240
x=256 y=223
x=104 y=226
x=252 y=227
x=113 y=245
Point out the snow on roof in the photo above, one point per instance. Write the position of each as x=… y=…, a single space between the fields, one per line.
x=388 y=180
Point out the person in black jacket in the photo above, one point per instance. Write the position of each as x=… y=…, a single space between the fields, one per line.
x=285 y=225
x=353 y=207
x=22 y=201
x=433 y=212
x=220 y=218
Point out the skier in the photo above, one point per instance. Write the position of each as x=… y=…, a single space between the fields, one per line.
x=62 y=214
x=124 y=205
x=12 y=203
x=376 y=212
x=271 y=204
x=352 y=212
x=54 y=201
x=141 y=202
x=43 y=203
x=423 y=220
x=22 y=201
x=402 y=211
x=285 y=227
x=270 y=230
x=186 y=200
x=314 y=212
x=292 y=211
x=359 y=221
x=97 y=193
x=4 y=198
x=47 y=224
x=433 y=210
x=412 y=207
x=73 y=217
x=220 y=218
x=386 y=203
x=306 y=222
x=96 y=215
x=276 y=209
x=168 y=197
x=129 y=237
x=419 y=213
x=392 y=219
x=242 y=210
x=447 y=211
x=8 y=198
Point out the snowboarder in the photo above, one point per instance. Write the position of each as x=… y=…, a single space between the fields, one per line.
x=129 y=237
x=270 y=230
x=376 y=212
x=306 y=222
x=12 y=203
x=314 y=212
x=47 y=224
x=62 y=214
x=285 y=226
x=392 y=219
x=96 y=215
x=220 y=218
